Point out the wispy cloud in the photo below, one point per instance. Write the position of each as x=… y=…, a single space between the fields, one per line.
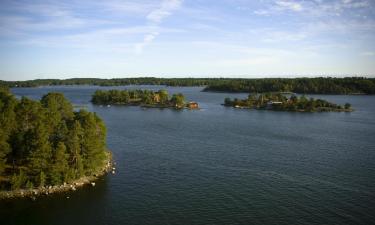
x=289 y=5
x=155 y=17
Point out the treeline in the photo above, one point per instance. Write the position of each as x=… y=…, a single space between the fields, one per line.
x=319 y=85
x=138 y=97
x=111 y=82
x=47 y=143
x=277 y=101
x=349 y=85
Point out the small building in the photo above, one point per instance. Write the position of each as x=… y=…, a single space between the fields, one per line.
x=192 y=105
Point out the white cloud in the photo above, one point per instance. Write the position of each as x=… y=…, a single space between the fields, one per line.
x=148 y=38
x=289 y=5
x=155 y=17
x=166 y=8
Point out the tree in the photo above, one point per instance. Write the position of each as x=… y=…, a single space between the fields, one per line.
x=178 y=100
x=93 y=141
x=18 y=180
x=60 y=164
x=347 y=106
x=73 y=145
x=164 y=96
x=41 y=152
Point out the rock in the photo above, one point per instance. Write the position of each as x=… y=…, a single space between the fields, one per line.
x=67 y=197
x=73 y=188
x=93 y=184
x=113 y=172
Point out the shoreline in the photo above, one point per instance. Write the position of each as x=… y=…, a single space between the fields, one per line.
x=66 y=187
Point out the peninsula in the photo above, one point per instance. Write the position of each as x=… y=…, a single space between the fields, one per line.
x=279 y=102
x=46 y=147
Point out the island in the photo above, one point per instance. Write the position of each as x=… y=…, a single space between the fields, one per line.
x=279 y=102
x=46 y=146
x=144 y=98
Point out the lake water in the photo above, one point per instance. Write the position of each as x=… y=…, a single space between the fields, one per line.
x=220 y=165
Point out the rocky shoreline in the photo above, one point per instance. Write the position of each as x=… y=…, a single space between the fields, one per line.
x=66 y=187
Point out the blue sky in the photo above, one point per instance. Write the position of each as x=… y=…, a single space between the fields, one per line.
x=186 y=38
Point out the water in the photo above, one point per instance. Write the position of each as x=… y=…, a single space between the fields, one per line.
x=220 y=166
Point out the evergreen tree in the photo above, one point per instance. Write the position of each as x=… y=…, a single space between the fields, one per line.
x=60 y=164
x=41 y=152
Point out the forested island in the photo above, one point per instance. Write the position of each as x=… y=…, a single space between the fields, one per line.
x=279 y=102
x=318 y=85
x=144 y=98
x=47 y=144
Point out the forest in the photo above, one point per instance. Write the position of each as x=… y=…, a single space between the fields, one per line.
x=46 y=142
x=349 y=85
x=318 y=85
x=279 y=102
x=147 y=98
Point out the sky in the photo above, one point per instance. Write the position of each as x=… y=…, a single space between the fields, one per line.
x=186 y=38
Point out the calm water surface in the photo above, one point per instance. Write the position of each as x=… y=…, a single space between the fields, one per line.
x=220 y=166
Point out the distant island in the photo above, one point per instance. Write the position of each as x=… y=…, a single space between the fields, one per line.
x=317 y=85
x=46 y=147
x=144 y=98
x=279 y=102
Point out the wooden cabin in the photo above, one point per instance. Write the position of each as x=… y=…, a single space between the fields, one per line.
x=192 y=105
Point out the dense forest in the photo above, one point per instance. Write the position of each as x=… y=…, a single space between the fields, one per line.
x=350 y=85
x=319 y=85
x=111 y=82
x=46 y=142
x=279 y=102
x=147 y=98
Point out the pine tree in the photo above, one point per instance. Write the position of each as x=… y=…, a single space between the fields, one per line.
x=93 y=142
x=73 y=145
x=60 y=164
x=41 y=152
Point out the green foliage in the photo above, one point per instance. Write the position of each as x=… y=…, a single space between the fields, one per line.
x=138 y=97
x=60 y=164
x=277 y=101
x=18 y=180
x=44 y=143
x=29 y=185
x=42 y=179
x=178 y=100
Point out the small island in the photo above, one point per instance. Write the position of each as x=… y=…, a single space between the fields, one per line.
x=279 y=102
x=143 y=98
x=47 y=147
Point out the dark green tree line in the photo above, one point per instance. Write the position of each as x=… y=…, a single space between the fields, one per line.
x=318 y=85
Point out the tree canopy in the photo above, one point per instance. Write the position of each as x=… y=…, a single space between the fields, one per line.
x=278 y=101
x=47 y=143
x=138 y=97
